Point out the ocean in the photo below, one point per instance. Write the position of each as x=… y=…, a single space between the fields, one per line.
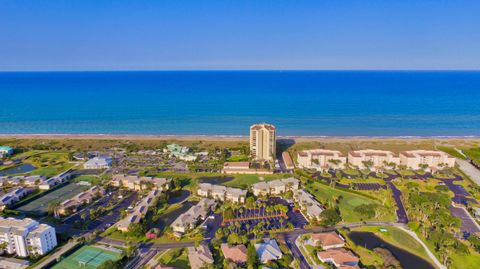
x=299 y=103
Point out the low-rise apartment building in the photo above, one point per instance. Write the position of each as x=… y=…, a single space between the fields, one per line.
x=71 y=205
x=275 y=187
x=243 y=168
x=138 y=212
x=321 y=159
x=189 y=219
x=28 y=181
x=311 y=207
x=430 y=160
x=221 y=193
x=11 y=197
x=287 y=160
x=375 y=160
x=140 y=183
x=25 y=237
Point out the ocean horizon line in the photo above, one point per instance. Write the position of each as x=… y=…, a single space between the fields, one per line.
x=237 y=70
x=99 y=135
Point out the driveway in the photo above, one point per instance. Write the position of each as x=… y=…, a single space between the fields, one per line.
x=397 y=195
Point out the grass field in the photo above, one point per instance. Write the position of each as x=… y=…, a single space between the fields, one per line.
x=39 y=206
x=347 y=203
x=90 y=255
x=244 y=181
x=92 y=179
x=177 y=258
x=48 y=163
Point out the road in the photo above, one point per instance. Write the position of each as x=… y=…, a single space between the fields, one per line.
x=469 y=170
x=290 y=241
x=397 y=195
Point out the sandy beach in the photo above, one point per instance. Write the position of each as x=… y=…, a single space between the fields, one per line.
x=472 y=139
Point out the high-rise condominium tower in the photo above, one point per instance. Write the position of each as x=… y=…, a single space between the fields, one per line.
x=262 y=142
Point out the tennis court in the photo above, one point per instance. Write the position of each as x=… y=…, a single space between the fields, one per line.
x=39 y=206
x=88 y=257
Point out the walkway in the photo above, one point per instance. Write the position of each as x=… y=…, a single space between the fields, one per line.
x=56 y=255
x=429 y=253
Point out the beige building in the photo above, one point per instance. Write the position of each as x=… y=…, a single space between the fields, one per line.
x=378 y=159
x=262 y=142
x=140 y=183
x=71 y=205
x=243 y=168
x=431 y=159
x=321 y=159
x=275 y=187
x=221 y=193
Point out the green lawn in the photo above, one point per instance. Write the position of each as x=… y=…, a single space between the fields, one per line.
x=175 y=257
x=48 y=163
x=245 y=181
x=94 y=180
x=473 y=153
x=451 y=151
x=348 y=202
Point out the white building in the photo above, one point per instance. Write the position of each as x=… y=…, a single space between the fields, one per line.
x=431 y=159
x=22 y=180
x=11 y=197
x=25 y=237
x=321 y=159
x=275 y=187
x=5 y=151
x=98 y=163
x=375 y=160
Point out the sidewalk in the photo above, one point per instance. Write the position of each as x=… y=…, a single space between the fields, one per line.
x=429 y=253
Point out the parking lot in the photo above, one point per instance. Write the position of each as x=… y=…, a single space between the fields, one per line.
x=469 y=225
x=368 y=186
x=268 y=220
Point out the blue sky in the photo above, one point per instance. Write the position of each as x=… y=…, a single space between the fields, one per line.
x=319 y=34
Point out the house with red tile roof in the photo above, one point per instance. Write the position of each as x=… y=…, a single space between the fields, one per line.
x=236 y=254
x=339 y=257
x=328 y=240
